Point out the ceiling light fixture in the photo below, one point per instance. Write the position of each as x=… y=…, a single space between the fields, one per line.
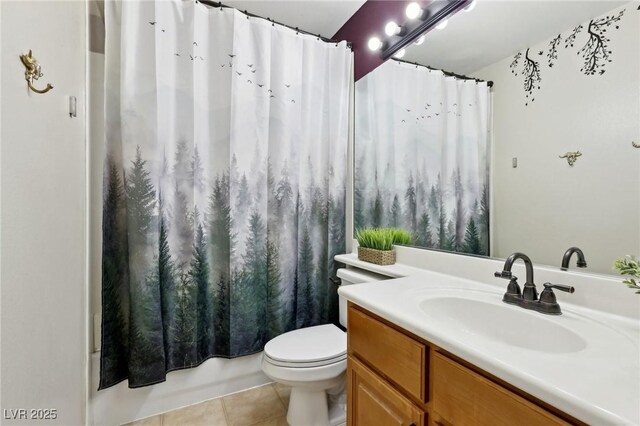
x=413 y=10
x=392 y=29
x=374 y=43
x=422 y=17
x=399 y=54
x=471 y=6
x=442 y=25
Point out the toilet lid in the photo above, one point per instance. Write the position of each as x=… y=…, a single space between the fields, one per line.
x=311 y=345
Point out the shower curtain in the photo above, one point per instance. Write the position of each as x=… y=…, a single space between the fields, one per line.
x=224 y=185
x=422 y=156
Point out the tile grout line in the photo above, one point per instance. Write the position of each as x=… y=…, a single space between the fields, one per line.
x=286 y=409
x=224 y=411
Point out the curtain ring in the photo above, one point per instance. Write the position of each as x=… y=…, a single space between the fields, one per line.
x=296 y=30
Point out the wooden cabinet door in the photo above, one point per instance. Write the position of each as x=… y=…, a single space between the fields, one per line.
x=373 y=402
x=394 y=355
x=462 y=397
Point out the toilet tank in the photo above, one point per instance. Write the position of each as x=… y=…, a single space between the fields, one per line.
x=349 y=276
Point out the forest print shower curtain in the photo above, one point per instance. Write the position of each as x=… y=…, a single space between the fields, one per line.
x=224 y=185
x=422 y=156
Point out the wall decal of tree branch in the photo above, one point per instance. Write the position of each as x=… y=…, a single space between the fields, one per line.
x=514 y=64
x=552 y=56
x=595 y=52
x=570 y=41
x=532 y=77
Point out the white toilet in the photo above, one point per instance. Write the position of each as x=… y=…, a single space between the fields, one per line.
x=313 y=362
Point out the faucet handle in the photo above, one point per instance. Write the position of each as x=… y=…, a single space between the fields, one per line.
x=548 y=303
x=507 y=275
x=561 y=287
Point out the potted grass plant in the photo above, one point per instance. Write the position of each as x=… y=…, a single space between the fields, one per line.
x=375 y=245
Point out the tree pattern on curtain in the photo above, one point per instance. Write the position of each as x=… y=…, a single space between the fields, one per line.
x=224 y=201
x=422 y=159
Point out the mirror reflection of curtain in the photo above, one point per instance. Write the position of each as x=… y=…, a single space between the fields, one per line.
x=224 y=185
x=422 y=156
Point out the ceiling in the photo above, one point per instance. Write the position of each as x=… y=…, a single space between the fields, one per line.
x=496 y=29
x=324 y=17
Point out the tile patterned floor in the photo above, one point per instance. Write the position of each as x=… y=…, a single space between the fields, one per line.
x=262 y=406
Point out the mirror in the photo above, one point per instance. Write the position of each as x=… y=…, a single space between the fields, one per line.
x=532 y=147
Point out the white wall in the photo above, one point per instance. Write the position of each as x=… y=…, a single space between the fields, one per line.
x=543 y=206
x=42 y=244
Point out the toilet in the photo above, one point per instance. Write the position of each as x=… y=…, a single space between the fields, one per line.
x=313 y=362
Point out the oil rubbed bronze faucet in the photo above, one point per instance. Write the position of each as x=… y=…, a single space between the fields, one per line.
x=566 y=258
x=528 y=299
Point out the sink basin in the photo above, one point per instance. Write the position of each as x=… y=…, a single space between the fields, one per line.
x=484 y=317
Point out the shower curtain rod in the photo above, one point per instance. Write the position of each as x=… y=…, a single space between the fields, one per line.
x=447 y=73
x=296 y=29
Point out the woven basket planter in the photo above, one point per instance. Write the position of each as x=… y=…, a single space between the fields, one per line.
x=379 y=257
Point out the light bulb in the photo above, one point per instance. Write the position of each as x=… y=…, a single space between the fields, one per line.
x=413 y=10
x=391 y=28
x=442 y=25
x=470 y=6
x=399 y=54
x=374 y=43
x=419 y=41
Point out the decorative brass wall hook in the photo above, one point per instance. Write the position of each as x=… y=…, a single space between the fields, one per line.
x=33 y=72
x=571 y=157
x=635 y=145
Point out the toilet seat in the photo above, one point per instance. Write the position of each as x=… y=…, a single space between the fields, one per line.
x=307 y=347
x=291 y=364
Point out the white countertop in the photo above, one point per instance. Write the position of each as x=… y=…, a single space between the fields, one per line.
x=598 y=384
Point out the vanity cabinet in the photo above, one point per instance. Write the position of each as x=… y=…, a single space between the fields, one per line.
x=396 y=378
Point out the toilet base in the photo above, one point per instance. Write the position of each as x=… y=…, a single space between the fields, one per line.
x=308 y=407
x=337 y=400
x=318 y=407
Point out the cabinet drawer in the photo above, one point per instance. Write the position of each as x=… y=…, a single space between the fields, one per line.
x=463 y=397
x=394 y=355
x=372 y=402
